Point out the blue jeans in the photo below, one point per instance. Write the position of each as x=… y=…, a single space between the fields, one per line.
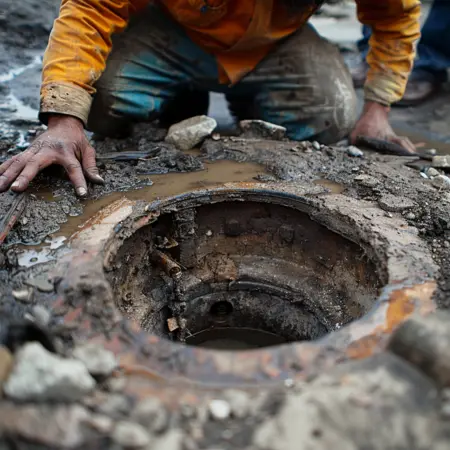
x=433 y=50
x=154 y=61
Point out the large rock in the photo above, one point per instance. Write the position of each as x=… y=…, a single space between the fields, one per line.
x=258 y=129
x=187 y=134
x=41 y=375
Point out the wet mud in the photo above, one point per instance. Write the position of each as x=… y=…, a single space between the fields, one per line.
x=143 y=167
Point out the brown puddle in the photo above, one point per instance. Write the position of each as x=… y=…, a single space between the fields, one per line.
x=332 y=186
x=215 y=174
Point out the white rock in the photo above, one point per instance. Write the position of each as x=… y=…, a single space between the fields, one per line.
x=355 y=151
x=99 y=362
x=441 y=182
x=188 y=133
x=259 y=129
x=219 y=409
x=41 y=315
x=130 y=435
x=316 y=145
x=441 y=161
x=40 y=375
x=432 y=172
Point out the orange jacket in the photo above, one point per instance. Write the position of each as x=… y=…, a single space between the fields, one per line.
x=238 y=32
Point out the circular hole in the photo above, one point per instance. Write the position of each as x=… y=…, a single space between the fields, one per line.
x=241 y=274
x=221 y=309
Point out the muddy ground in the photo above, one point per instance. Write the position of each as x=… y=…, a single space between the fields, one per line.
x=266 y=422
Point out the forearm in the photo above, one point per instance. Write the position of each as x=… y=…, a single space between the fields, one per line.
x=76 y=55
x=396 y=29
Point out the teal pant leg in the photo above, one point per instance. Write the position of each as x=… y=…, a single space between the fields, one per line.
x=151 y=62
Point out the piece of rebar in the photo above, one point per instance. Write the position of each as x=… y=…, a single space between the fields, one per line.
x=13 y=215
x=170 y=267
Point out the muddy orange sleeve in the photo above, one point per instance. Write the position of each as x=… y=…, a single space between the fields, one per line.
x=78 y=47
x=395 y=31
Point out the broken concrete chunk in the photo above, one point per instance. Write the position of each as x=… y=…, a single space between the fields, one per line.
x=41 y=375
x=441 y=161
x=432 y=172
x=441 y=182
x=187 y=134
x=393 y=203
x=99 y=361
x=258 y=129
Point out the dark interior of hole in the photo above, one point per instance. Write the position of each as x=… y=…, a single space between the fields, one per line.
x=247 y=268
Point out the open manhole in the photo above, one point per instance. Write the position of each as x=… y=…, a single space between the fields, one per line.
x=236 y=275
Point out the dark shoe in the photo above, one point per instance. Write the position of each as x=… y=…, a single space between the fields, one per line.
x=421 y=86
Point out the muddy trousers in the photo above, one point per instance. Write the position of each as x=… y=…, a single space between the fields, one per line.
x=303 y=84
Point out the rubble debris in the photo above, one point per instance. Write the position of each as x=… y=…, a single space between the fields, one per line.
x=315 y=145
x=394 y=203
x=40 y=375
x=354 y=151
x=432 y=172
x=170 y=267
x=441 y=161
x=52 y=426
x=41 y=283
x=239 y=401
x=41 y=315
x=23 y=295
x=219 y=409
x=131 y=435
x=367 y=181
x=152 y=415
x=98 y=361
x=187 y=134
x=441 y=182
x=259 y=129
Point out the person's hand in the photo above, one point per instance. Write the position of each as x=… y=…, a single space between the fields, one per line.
x=374 y=123
x=64 y=143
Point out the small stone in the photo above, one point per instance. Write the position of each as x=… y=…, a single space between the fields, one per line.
x=6 y=363
x=209 y=233
x=172 y=440
x=99 y=361
x=152 y=415
x=445 y=410
x=190 y=132
x=394 y=203
x=130 y=435
x=308 y=150
x=315 y=145
x=23 y=295
x=367 y=181
x=355 y=152
x=115 y=405
x=115 y=384
x=355 y=169
x=219 y=409
x=446 y=244
x=41 y=283
x=239 y=402
x=24 y=221
x=410 y=216
x=102 y=424
x=429 y=151
x=441 y=161
x=432 y=172
x=295 y=149
x=259 y=129
x=423 y=175
x=40 y=375
x=441 y=182
x=41 y=315
x=215 y=137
